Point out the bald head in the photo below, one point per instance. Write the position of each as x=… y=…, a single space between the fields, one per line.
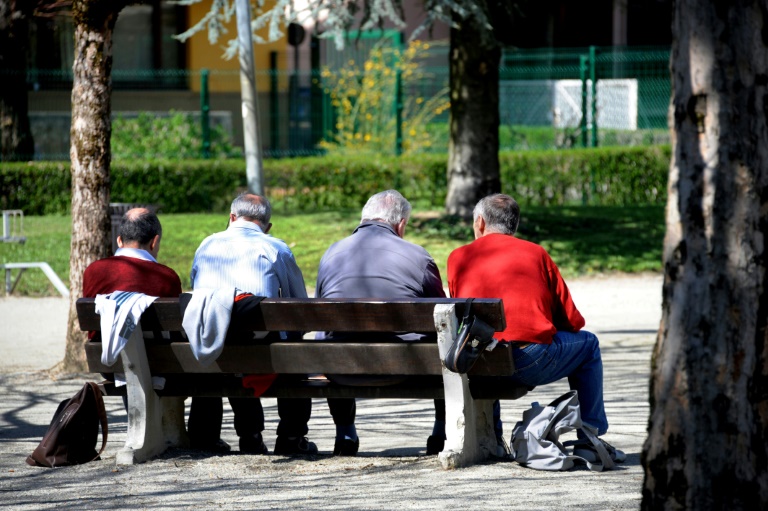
x=253 y=208
x=140 y=228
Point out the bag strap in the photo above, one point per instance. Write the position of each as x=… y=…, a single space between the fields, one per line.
x=560 y=406
x=102 y=416
x=602 y=452
x=467 y=307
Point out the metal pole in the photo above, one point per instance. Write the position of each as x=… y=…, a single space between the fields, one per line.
x=274 y=106
x=399 y=100
x=584 y=100
x=253 y=165
x=205 y=108
x=593 y=77
x=316 y=100
x=294 y=101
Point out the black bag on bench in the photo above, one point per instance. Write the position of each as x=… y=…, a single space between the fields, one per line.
x=473 y=337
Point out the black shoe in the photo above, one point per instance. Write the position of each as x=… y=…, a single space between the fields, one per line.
x=217 y=446
x=346 y=447
x=253 y=444
x=287 y=446
x=435 y=445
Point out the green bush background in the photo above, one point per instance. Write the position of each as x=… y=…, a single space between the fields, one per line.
x=604 y=176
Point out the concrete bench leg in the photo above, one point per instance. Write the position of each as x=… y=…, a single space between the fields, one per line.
x=470 y=437
x=154 y=423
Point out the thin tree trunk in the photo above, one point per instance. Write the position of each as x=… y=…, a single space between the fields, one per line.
x=90 y=153
x=16 y=141
x=473 y=150
x=707 y=444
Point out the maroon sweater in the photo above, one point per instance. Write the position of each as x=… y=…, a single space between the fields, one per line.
x=120 y=273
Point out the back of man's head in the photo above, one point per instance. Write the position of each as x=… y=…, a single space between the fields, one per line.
x=252 y=207
x=139 y=226
x=500 y=212
x=388 y=206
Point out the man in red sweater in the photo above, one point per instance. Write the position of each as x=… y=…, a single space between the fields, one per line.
x=134 y=267
x=543 y=324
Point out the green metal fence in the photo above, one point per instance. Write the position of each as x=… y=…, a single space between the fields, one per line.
x=549 y=98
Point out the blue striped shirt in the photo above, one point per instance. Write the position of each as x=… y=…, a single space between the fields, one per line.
x=246 y=258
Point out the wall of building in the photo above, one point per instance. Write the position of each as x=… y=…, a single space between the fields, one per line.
x=201 y=54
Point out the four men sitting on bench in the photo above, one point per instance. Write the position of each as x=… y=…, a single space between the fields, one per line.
x=375 y=262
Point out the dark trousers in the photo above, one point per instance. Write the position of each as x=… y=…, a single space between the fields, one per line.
x=344 y=409
x=204 y=425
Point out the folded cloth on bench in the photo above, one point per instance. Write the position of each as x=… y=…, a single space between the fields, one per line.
x=120 y=312
x=206 y=320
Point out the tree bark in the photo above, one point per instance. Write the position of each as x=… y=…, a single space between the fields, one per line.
x=473 y=150
x=706 y=445
x=90 y=153
x=16 y=141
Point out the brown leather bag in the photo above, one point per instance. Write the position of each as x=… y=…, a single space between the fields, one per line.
x=71 y=438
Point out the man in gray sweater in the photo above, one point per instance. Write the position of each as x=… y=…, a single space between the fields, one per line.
x=376 y=262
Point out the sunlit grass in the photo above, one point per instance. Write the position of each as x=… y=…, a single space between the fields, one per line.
x=581 y=240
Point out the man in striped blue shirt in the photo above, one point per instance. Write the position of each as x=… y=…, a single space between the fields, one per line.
x=247 y=257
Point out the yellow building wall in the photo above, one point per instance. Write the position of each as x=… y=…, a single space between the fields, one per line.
x=224 y=74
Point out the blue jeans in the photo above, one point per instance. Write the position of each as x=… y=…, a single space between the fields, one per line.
x=572 y=355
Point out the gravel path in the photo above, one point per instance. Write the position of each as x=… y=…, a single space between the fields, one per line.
x=391 y=470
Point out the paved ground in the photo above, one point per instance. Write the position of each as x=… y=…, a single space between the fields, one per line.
x=391 y=470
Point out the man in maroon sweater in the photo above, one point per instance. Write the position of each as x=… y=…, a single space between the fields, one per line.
x=134 y=267
x=544 y=328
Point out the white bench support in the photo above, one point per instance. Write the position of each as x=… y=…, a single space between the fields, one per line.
x=154 y=423
x=470 y=437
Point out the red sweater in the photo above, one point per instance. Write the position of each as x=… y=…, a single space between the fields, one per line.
x=120 y=273
x=537 y=302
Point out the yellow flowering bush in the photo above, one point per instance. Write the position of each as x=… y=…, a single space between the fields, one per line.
x=363 y=96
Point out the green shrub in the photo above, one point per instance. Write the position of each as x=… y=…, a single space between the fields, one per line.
x=177 y=136
x=607 y=176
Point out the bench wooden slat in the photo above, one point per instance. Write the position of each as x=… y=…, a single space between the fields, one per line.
x=307 y=315
x=308 y=357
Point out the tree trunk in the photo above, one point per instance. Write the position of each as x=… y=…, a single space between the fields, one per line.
x=16 y=141
x=706 y=445
x=90 y=154
x=473 y=150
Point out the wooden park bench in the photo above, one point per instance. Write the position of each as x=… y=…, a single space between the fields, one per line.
x=158 y=348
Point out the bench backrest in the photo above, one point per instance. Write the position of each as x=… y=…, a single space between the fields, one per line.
x=353 y=355
x=315 y=314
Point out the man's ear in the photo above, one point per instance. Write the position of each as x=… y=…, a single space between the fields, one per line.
x=154 y=242
x=119 y=242
x=400 y=227
x=267 y=227
x=232 y=217
x=479 y=227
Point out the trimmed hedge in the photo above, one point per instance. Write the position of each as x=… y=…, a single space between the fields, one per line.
x=608 y=176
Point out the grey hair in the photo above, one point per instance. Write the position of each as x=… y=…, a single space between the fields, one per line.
x=389 y=206
x=252 y=207
x=500 y=212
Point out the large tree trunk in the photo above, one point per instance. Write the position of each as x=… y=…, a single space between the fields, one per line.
x=473 y=150
x=707 y=443
x=90 y=153
x=16 y=141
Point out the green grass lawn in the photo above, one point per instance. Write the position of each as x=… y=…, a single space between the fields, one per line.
x=581 y=240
